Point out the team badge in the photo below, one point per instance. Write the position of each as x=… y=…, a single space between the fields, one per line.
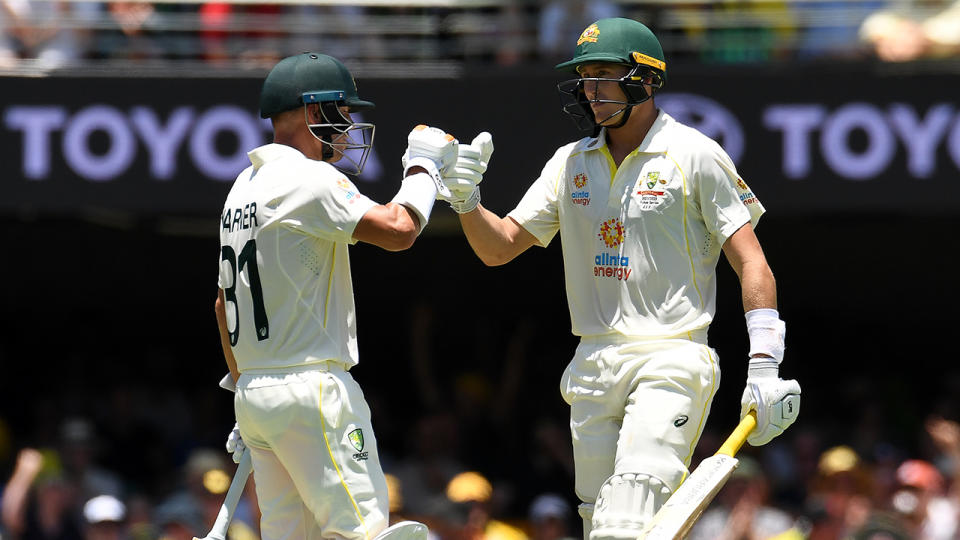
x=590 y=34
x=356 y=439
x=652 y=178
x=650 y=190
x=612 y=232
x=580 y=180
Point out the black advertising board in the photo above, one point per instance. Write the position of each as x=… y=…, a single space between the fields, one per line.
x=808 y=141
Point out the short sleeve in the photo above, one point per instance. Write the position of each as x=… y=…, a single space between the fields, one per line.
x=726 y=201
x=327 y=206
x=538 y=211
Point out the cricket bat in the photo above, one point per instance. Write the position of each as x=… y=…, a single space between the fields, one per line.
x=229 y=506
x=677 y=516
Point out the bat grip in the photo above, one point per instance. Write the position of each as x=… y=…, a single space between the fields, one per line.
x=739 y=435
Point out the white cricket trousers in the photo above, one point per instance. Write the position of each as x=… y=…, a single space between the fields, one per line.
x=315 y=460
x=637 y=406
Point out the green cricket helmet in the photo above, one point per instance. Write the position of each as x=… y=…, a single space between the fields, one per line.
x=322 y=77
x=618 y=41
x=314 y=78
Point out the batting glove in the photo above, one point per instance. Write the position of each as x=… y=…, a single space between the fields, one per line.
x=464 y=177
x=235 y=444
x=776 y=401
x=432 y=149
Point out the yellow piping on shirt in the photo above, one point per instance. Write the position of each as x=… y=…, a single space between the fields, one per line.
x=323 y=428
x=610 y=162
x=333 y=265
x=686 y=237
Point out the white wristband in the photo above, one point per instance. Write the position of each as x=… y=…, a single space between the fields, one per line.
x=767 y=333
x=418 y=193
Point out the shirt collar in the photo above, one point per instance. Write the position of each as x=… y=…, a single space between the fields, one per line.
x=271 y=152
x=653 y=142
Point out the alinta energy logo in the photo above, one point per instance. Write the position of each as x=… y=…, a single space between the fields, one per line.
x=580 y=196
x=612 y=265
x=746 y=196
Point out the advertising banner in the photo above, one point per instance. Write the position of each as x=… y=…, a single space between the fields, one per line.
x=808 y=142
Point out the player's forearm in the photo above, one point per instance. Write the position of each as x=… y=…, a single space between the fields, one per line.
x=758 y=287
x=492 y=238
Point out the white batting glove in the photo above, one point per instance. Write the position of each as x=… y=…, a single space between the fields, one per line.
x=235 y=444
x=464 y=177
x=776 y=401
x=434 y=150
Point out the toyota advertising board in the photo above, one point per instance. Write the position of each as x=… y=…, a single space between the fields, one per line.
x=807 y=142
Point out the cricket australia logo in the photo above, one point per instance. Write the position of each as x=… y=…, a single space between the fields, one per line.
x=652 y=179
x=590 y=34
x=356 y=439
x=612 y=265
x=650 y=190
x=580 y=195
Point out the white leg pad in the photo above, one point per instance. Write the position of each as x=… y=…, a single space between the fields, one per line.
x=404 y=530
x=626 y=503
x=586 y=513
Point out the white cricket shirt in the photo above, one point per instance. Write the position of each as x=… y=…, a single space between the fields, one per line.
x=640 y=242
x=284 y=266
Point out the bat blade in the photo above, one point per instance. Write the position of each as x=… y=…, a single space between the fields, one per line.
x=677 y=516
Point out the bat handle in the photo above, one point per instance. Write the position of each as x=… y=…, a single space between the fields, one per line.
x=219 y=529
x=736 y=439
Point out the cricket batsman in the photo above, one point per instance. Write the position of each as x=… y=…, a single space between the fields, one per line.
x=644 y=207
x=285 y=304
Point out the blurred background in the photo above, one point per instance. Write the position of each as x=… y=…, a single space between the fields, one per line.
x=124 y=123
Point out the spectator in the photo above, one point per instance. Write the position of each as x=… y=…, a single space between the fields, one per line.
x=194 y=507
x=39 y=502
x=432 y=463
x=560 y=19
x=473 y=498
x=899 y=37
x=17 y=490
x=176 y=519
x=742 y=508
x=80 y=448
x=921 y=500
x=103 y=518
x=839 y=498
x=130 y=37
x=549 y=517
x=38 y=29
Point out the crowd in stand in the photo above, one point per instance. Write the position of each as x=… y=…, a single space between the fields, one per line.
x=59 y=33
x=801 y=487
